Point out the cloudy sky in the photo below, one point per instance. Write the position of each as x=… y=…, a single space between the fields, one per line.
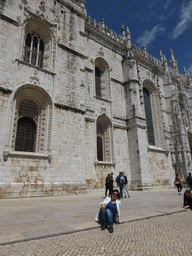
x=156 y=24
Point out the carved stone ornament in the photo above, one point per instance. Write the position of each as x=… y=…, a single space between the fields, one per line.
x=34 y=79
x=103 y=109
x=42 y=6
x=101 y=53
x=5 y=155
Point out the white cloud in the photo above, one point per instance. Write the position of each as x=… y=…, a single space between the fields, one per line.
x=185 y=18
x=167 y=4
x=149 y=36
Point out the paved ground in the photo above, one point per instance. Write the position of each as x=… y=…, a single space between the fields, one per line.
x=161 y=236
x=32 y=218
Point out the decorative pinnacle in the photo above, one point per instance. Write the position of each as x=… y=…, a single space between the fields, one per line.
x=185 y=72
x=128 y=32
x=161 y=55
x=165 y=58
x=122 y=28
x=172 y=56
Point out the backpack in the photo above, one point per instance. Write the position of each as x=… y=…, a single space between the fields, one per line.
x=122 y=180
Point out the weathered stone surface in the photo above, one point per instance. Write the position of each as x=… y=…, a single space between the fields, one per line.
x=78 y=107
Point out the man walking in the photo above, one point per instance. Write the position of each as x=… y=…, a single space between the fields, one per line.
x=189 y=181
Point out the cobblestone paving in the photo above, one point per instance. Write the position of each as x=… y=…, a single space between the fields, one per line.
x=162 y=236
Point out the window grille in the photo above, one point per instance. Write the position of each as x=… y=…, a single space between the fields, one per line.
x=26 y=133
x=148 y=115
x=34 y=49
x=28 y=108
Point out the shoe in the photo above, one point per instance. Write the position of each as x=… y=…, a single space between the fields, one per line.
x=128 y=196
x=110 y=229
x=103 y=227
x=179 y=193
x=125 y=197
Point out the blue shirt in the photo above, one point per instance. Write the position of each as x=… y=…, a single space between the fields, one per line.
x=109 y=206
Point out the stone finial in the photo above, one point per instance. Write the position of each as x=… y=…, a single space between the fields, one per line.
x=173 y=63
x=123 y=32
x=165 y=64
x=103 y=25
x=161 y=56
x=128 y=37
x=172 y=56
x=185 y=72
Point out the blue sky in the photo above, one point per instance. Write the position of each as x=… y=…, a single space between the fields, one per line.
x=156 y=24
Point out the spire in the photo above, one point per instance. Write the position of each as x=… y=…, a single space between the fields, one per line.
x=185 y=72
x=123 y=32
x=172 y=56
x=128 y=36
x=173 y=63
x=165 y=64
x=161 y=56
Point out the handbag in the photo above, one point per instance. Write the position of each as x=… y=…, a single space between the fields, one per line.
x=116 y=216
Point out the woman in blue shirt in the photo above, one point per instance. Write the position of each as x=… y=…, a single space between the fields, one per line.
x=109 y=207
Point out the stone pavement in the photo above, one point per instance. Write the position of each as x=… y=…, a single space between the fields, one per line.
x=32 y=218
x=168 y=235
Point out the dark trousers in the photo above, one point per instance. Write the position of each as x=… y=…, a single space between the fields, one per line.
x=179 y=187
x=110 y=188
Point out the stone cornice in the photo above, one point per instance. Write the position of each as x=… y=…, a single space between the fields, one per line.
x=64 y=47
x=68 y=107
x=103 y=39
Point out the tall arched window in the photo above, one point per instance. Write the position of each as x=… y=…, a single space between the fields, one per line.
x=31 y=127
x=102 y=87
x=34 y=49
x=104 y=139
x=98 y=81
x=26 y=134
x=26 y=126
x=148 y=115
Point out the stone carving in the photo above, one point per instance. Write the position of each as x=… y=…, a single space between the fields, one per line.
x=34 y=79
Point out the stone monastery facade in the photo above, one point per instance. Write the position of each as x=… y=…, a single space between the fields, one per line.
x=78 y=101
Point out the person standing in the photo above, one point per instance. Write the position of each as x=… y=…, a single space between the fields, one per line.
x=122 y=183
x=178 y=183
x=189 y=181
x=126 y=191
x=109 y=184
x=118 y=179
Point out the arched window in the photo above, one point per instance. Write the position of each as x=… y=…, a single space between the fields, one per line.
x=102 y=87
x=98 y=81
x=26 y=134
x=148 y=115
x=104 y=139
x=34 y=49
x=32 y=120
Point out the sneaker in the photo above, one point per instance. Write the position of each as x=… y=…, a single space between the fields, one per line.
x=103 y=227
x=179 y=193
x=110 y=229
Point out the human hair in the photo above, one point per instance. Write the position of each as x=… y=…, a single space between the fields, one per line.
x=187 y=191
x=189 y=174
x=117 y=191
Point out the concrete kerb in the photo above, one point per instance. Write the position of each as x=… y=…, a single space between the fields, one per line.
x=85 y=229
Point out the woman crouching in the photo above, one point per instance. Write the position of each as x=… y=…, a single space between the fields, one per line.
x=110 y=210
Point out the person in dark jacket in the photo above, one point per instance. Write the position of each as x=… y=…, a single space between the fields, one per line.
x=189 y=181
x=187 y=202
x=109 y=184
